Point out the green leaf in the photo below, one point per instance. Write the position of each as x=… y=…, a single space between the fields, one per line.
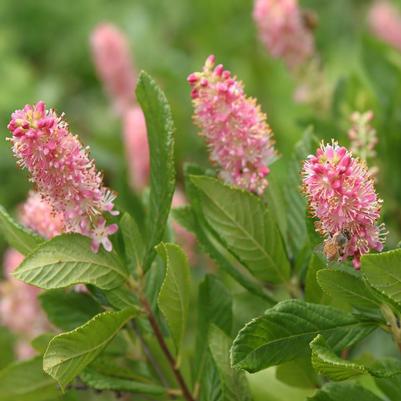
x=243 y=224
x=295 y=201
x=67 y=260
x=41 y=342
x=134 y=245
x=233 y=382
x=187 y=219
x=286 y=330
x=26 y=381
x=7 y=341
x=215 y=307
x=102 y=382
x=69 y=353
x=121 y=298
x=344 y=392
x=346 y=286
x=313 y=292
x=297 y=373
x=390 y=386
x=17 y=236
x=383 y=273
x=68 y=310
x=174 y=294
x=327 y=363
x=160 y=128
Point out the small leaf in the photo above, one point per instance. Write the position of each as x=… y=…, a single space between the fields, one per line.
x=347 y=287
x=327 y=363
x=67 y=260
x=285 y=331
x=26 y=381
x=160 y=128
x=69 y=353
x=99 y=381
x=243 y=224
x=173 y=298
x=134 y=246
x=68 y=310
x=344 y=392
x=121 y=298
x=17 y=236
x=390 y=386
x=232 y=382
x=383 y=273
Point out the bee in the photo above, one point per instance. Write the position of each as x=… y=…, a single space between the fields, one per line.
x=334 y=247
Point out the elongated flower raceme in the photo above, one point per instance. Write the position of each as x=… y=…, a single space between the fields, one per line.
x=385 y=22
x=236 y=132
x=114 y=66
x=283 y=30
x=64 y=174
x=342 y=196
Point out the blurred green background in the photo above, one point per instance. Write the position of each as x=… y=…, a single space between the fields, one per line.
x=45 y=54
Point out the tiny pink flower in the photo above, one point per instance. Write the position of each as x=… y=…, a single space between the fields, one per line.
x=65 y=176
x=136 y=147
x=342 y=197
x=100 y=235
x=385 y=22
x=283 y=30
x=238 y=137
x=113 y=61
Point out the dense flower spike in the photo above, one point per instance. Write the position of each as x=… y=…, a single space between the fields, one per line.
x=385 y=22
x=136 y=147
x=341 y=195
x=284 y=31
x=238 y=137
x=64 y=175
x=113 y=61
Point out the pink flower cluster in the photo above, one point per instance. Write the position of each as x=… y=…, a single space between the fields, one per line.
x=236 y=132
x=64 y=174
x=114 y=65
x=283 y=30
x=385 y=22
x=19 y=308
x=342 y=196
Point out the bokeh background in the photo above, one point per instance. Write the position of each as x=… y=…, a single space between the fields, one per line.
x=45 y=54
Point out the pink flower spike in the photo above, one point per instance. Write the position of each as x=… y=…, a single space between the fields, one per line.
x=342 y=197
x=385 y=22
x=65 y=176
x=113 y=61
x=283 y=31
x=238 y=137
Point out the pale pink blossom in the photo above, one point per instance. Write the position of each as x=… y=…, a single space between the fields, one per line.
x=38 y=215
x=342 y=197
x=114 y=66
x=238 y=137
x=385 y=22
x=19 y=307
x=136 y=147
x=60 y=167
x=282 y=29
